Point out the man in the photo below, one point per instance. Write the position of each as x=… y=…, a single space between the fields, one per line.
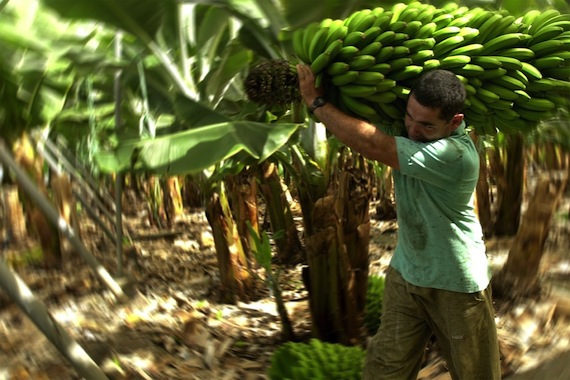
x=438 y=279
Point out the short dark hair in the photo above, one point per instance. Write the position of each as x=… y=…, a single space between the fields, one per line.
x=440 y=89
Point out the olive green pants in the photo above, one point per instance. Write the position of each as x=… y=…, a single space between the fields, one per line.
x=463 y=324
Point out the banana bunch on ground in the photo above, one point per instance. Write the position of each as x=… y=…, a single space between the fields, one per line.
x=316 y=360
x=516 y=71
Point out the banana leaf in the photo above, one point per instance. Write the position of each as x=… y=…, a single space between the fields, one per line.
x=197 y=149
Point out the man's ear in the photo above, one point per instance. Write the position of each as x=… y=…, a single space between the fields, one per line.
x=456 y=121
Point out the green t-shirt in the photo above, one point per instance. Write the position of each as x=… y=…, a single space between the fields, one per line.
x=440 y=240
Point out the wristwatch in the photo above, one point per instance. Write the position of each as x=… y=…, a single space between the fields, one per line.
x=318 y=102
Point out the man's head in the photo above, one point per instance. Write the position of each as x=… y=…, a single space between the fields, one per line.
x=434 y=106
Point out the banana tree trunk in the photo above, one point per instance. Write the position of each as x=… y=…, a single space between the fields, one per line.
x=47 y=234
x=14 y=219
x=483 y=191
x=65 y=203
x=285 y=234
x=173 y=206
x=519 y=276
x=235 y=273
x=243 y=192
x=510 y=188
x=337 y=256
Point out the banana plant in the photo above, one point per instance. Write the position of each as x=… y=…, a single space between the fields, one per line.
x=33 y=84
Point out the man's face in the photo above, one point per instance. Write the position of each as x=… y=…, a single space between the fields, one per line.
x=423 y=124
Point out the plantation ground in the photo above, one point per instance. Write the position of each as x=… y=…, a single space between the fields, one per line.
x=174 y=327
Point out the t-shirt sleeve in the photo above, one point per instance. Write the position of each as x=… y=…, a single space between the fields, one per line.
x=438 y=162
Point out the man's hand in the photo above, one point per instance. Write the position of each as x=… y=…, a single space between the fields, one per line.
x=307 y=84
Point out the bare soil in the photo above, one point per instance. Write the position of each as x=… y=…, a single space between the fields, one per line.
x=174 y=327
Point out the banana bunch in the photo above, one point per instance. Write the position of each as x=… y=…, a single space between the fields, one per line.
x=516 y=71
x=316 y=360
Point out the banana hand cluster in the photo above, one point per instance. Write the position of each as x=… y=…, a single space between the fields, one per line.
x=516 y=71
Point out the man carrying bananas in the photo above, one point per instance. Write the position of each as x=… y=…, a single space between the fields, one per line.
x=438 y=281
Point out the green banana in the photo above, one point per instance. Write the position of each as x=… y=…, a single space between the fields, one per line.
x=320 y=63
x=399 y=38
x=447 y=44
x=488 y=26
x=443 y=33
x=471 y=49
x=362 y=62
x=337 y=68
x=533 y=115
x=548 y=62
x=397 y=26
x=536 y=104
x=546 y=34
x=357 y=106
x=476 y=105
x=426 y=30
x=400 y=51
x=346 y=53
x=480 y=18
x=382 y=97
x=418 y=44
x=460 y=21
x=543 y=85
x=308 y=34
x=353 y=38
x=530 y=71
x=542 y=19
x=560 y=101
x=370 y=35
x=490 y=74
x=454 y=61
x=412 y=28
x=468 y=33
x=506 y=41
x=370 y=78
x=385 y=85
x=357 y=90
x=337 y=30
x=382 y=67
x=357 y=18
x=408 y=72
x=366 y=22
x=523 y=95
x=402 y=92
x=371 y=49
x=346 y=78
x=385 y=53
x=399 y=63
x=392 y=110
x=509 y=63
x=487 y=96
x=431 y=64
x=509 y=82
x=502 y=27
x=298 y=47
x=470 y=70
x=409 y=14
x=502 y=92
x=520 y=53
x=317 y=45
x=520 y=75
x=562 y=73
x=501 y=104
x=443 y=20
x=546 y=47
x=421 y=56
x=509 y=114
x=383 y=20
x=487 y=62
x=386 y=37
